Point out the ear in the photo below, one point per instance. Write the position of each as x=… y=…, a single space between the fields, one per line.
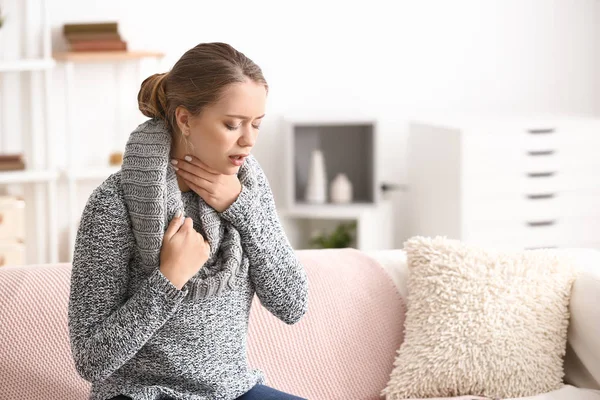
x=182 y=115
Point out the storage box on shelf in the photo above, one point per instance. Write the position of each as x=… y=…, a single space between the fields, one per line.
x=511 y=183
x=349 y=146
x=12 y=231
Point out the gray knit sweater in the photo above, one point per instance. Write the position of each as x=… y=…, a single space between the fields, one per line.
x=132 y=332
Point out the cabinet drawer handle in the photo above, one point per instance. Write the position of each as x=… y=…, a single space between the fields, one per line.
x=540 y=131
x=540 y=174
x=540 y=196
x=541 y=153
x=1 y=218
x=2 y=260
x=541 y=247
x=541 y=223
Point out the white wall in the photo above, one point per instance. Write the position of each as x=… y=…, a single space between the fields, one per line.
x=389 y=59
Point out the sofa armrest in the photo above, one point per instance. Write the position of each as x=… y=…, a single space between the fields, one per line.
x=582 y=362
x=393 y=263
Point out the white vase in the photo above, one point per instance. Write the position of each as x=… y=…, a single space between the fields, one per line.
x=316 y=188
x=340 y=189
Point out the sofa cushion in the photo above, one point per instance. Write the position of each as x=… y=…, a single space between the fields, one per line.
x=344 y=346
x=482 y=322
x=35 y=356
x=582 y=361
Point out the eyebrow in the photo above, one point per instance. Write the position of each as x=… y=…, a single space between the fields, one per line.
x=242 y=116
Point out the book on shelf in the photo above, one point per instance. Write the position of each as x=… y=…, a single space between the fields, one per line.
x=99 y=45
x=82 y=37
x=11 y=162
x=104 y=27
x=94 y=37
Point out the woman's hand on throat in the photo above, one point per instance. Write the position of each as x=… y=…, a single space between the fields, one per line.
x=218 y=190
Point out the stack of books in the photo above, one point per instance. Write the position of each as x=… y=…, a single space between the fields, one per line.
x=103 y=36
x=11 y=162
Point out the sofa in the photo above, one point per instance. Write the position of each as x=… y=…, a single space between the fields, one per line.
x=343 y=348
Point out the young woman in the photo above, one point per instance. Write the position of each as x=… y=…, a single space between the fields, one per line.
x=171 y=249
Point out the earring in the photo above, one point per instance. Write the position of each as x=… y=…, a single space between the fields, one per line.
x=187 y=142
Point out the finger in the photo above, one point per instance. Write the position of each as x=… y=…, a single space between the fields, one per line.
x=195 y=179
x=188 y=225
x=174 y=225
x=196 y=161
x=196 y=168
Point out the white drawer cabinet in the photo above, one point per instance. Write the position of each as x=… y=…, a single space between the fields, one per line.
x=12 y=218
x=506 y=183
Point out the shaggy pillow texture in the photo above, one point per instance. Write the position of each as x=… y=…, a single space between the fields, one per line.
x=482 y=322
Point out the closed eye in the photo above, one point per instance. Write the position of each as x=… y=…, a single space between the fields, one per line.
x=233 y=128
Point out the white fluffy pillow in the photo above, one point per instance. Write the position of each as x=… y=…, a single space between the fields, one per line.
x=482 y=322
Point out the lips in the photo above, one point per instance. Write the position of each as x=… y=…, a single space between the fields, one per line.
x=238 y=159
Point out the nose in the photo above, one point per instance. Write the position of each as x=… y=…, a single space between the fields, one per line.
x=248 y=137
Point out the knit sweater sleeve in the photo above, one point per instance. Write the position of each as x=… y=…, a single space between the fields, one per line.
x=106 y=328
x=279 y=279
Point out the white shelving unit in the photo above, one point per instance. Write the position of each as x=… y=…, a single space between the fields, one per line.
x=25 y=60
x=74 y=174
x=349 y=145
x=26 y=65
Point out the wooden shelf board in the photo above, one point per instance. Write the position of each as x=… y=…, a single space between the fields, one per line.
x=100 y=56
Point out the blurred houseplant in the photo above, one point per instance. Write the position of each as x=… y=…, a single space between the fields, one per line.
x=341 y=237
x=1 y=18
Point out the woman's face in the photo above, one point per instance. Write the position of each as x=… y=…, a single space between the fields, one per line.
x=228 y=127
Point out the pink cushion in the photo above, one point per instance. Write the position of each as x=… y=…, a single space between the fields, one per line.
x=35 y=358
x=344 y=346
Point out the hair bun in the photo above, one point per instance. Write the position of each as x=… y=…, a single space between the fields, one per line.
x=152 y=97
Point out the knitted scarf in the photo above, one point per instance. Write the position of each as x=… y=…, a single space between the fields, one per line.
x=152 y=197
